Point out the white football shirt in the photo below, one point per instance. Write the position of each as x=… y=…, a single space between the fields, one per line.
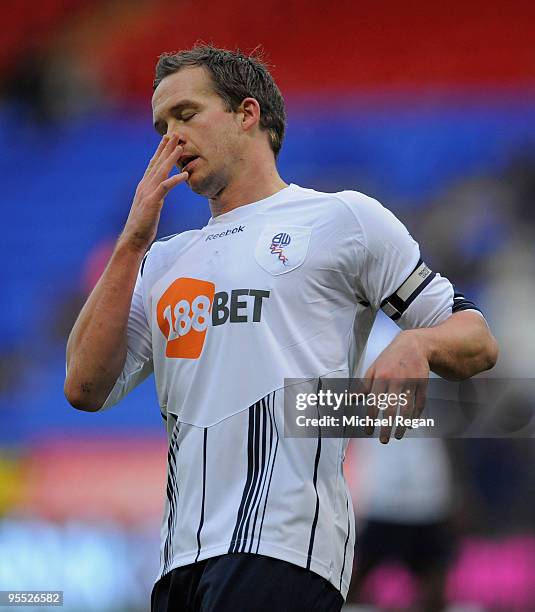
x=287 y=287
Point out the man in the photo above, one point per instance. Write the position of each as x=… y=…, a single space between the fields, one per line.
x=283 y=282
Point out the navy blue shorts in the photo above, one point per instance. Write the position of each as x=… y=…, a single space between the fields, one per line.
x=244 y=582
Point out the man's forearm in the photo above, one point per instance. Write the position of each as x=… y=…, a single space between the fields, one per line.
x=458 y=348
x=96 y=350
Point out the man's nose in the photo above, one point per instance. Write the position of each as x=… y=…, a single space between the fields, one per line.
x=175 y=131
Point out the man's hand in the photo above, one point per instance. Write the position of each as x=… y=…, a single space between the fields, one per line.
x=96 y=350
x=401 y=368
x=456 y=349
x=142 y=222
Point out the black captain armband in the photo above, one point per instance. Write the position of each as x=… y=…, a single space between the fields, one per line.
x=396 y=304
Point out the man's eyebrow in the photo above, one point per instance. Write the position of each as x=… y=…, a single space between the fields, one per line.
x=179 y=107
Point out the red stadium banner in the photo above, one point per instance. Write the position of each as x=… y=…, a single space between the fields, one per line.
x=118 y=479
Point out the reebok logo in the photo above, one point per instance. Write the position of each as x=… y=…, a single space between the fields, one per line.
x=234 y=230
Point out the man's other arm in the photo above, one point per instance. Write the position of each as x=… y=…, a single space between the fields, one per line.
x=97 y=345
x=456 y=349
x=96 y=349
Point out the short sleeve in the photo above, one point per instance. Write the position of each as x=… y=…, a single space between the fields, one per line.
x=390 y=253
x=394 y=276
x=139 y=363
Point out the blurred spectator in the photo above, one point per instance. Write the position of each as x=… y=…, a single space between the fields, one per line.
x=477 y=213
x=50 y=86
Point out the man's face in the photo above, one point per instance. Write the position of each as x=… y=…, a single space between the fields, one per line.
x=185 y=103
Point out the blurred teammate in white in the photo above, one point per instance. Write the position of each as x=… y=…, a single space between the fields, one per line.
x=283 y=282
x=405 y=498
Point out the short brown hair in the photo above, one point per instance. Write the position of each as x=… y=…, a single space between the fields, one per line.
x=235 y=76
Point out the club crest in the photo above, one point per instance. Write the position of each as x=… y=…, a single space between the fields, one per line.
x=278 y=242
x=281 y=249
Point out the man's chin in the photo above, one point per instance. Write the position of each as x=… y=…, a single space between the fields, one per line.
x=195 y=185
x=202 y=185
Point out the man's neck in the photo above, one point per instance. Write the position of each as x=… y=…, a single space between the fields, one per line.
x=246 y=191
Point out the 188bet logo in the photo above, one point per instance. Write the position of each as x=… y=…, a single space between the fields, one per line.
x=190 y=306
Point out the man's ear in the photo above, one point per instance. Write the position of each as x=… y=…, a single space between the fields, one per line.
x=250 y=110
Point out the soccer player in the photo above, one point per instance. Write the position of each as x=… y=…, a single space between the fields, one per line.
x=283 y=282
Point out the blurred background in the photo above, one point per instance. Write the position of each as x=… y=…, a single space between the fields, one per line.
x=428 y=107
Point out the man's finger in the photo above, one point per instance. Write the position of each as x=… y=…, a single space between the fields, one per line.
x=166 y=159
x=386 y=430
x=166 y=186
x=372 y=412
x=169 y=160
x=157 y=153
x=406 y=408
x=420 y=395
x=392 y=390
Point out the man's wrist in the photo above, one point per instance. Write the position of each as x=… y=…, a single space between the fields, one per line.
x=133 y=244
x=421 y=341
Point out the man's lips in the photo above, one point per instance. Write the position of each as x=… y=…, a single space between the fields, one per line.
x=186 y=161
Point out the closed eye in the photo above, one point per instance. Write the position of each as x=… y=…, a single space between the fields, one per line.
x=185 y=116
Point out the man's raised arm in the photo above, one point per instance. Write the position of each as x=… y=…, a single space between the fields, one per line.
x=97 y=345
